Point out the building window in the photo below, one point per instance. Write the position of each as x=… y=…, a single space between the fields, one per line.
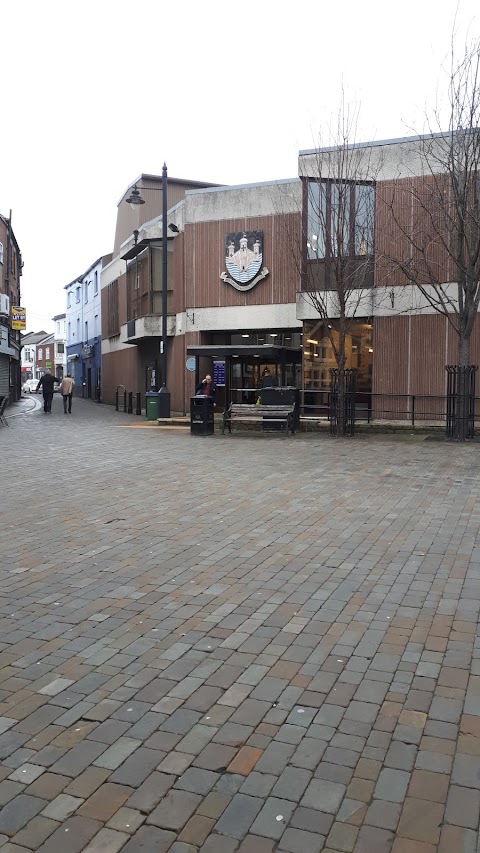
x=340 y=220
x=113 y=320
x=95 y=326
x=69 y=299
x=69 y=331
x=47 y=352
x=319 y=358
x=78 y=328
x=86 y=331
x=1 y=253
x=77 y=294
x=95 y=283
x=85 y=291
x=60 y=349
x=40 y=354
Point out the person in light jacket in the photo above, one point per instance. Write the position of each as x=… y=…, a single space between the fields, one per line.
x=66 y=388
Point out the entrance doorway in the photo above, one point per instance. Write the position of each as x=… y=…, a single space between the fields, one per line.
x=89 y=383
x=244 y=365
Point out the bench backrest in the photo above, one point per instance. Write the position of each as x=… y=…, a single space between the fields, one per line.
x=249 y=409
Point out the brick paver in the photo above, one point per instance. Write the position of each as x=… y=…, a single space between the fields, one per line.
x=252 y=646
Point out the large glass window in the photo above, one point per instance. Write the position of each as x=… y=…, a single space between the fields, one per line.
x=340 y=220
x=319 y=358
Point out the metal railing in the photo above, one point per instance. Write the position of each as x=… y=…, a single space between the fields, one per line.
x=369 y=406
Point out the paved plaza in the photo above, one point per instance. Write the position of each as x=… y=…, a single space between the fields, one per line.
x=238 y=644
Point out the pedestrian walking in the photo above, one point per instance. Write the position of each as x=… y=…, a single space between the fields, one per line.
x=47 y=382
x=66 y=390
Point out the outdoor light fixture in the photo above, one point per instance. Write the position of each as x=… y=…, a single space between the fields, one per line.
x=174 y=228
x=311 y=341
x=134 y=200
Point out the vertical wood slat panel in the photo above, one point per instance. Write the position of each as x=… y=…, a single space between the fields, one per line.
x=205 y=261
x=390 y=367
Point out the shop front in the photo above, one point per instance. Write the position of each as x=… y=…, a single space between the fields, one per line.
x=319 y=339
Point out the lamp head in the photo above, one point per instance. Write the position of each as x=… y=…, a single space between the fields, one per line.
x=134 y=199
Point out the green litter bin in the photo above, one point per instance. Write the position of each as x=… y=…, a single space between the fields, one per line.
x=151 y=405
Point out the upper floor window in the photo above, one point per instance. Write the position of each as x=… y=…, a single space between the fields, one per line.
x=85 y=291
x=340 y=219
x=78 y=294
x=69 y=330
x=40 y=353
x=95 y=283
x=1 y=253
x=69 y=299
x=60 y=349
x=47 y=352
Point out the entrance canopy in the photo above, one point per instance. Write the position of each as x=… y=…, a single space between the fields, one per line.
x=264 y=351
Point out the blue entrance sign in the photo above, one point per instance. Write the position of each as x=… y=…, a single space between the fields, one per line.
x=190 y=364
x=219 y=372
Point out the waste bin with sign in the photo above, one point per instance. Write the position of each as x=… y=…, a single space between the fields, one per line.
x=151 y=405
x=282 y=396
x=201 y=415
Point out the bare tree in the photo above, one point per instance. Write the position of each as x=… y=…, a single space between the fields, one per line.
x=435 y=214
x=333 y=245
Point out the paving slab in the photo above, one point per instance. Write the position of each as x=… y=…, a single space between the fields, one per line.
x=276 y=657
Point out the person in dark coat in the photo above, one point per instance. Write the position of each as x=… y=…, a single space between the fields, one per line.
x=206 y=387
x=267 y=380
x=47 y=382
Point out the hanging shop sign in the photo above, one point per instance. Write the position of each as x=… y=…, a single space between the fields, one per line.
x=244 y=259
x=19 y=318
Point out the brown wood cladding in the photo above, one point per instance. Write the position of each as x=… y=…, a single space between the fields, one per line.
x=410 y=355
x=205 y=261
x=408 y=211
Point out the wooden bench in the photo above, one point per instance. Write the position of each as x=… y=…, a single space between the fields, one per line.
x=253 y=414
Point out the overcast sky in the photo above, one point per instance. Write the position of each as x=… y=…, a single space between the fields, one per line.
x=98 y=91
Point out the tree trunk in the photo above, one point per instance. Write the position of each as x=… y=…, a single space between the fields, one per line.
x=462 y=407
x=341 y=420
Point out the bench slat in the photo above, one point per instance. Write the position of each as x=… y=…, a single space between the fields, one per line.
x=249 y=412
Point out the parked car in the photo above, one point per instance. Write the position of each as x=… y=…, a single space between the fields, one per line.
x=30 y=386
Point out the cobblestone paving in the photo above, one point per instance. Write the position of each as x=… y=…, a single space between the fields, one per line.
x=244 y=644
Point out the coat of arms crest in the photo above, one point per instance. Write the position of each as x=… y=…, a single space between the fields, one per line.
x=243 y=259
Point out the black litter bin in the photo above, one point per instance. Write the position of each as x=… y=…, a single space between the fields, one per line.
x=201 y=415
x=286 y=396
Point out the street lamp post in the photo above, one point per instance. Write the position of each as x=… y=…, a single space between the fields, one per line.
x=164 y=399
x=135 y=199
